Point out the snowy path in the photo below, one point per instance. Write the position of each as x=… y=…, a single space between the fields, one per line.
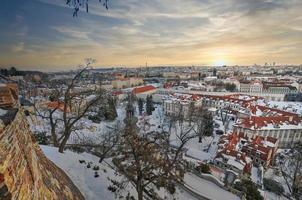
x=207 y=189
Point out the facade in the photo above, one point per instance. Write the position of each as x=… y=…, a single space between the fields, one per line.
x=279 y=89
x=144 y=91
x=244 y=86
x=258 y=86
x=238 y=153
x=126 y=82
x=180 y=104
x=288 y=129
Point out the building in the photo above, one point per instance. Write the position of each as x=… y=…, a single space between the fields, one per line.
x=256 y=86
x=285 y=126
x=244 y=86
x=126 y=82
x=278 y=88
x=144 y=91
x=179 y=104
x=238 y=153
x=251 y=86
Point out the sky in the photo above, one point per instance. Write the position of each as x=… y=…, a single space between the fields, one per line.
x=43 y=34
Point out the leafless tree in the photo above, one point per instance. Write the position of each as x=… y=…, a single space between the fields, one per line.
x=291 y=169
x=104 y=145
x=80 y=102
x=78 y=4
x=48 y=113
x=225 y=117
x=73 y=105
x=148 y=160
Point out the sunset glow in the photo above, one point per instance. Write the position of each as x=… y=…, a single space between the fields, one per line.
x=42 y=34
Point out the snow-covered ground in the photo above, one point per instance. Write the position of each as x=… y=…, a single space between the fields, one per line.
x=207 y=188
x=97 y=188
x=295 y=107
x=270 y=173
x=83 y=177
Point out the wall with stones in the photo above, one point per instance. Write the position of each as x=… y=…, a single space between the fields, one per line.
x=25 y=172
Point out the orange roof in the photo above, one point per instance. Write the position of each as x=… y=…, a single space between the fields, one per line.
x=143 y=89
x=116 y=93
x=58 y=105
x=261 y=121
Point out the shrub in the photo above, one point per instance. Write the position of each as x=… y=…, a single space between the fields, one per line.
x=249 y=188
x=204 y=168
x=41 y=138
x=273 y=186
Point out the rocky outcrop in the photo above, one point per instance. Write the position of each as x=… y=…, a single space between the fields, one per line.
x=25 y=172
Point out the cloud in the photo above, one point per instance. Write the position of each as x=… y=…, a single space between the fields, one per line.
x=167 y=31
x=72 y=32
x=19 y=47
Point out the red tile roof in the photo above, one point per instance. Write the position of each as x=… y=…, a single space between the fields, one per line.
x=143 y=89
x=252 y=147
x=58 y=105
x=258 y=122
x=116 y=93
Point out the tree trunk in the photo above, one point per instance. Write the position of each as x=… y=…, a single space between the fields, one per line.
x=54 y=137
x=140 y=192
x=101 y=159
x=53 y=130
x=64 y=141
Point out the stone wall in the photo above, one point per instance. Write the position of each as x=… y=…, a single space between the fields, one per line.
x=25 y=172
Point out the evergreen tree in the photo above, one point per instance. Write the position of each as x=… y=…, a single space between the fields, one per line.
x=208 y=127
x=249 y=188
x=111 y=113
x=204 y=123
x=149 y=105
x=140 y=106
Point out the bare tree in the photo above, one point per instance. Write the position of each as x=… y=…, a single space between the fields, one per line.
x=191 y=111
x=291 y=169
x=78 y=4
x=73 y=104
x=225 y=117
x=148 y=160
x=104 y=145
x=80 y=101
x=48 y=113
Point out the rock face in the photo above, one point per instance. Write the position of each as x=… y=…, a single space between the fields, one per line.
x=25 y=172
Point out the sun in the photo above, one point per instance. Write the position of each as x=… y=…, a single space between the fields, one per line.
x=220 y=62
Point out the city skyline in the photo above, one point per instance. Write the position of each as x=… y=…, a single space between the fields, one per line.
x=43 y=35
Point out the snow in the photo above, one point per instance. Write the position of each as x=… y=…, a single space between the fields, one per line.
x=295 y=107
x=92 y=188
x=232 y=161
x=2 y=112
x=207 y=188
x=96 y=188
x=270 y=173
x=200 y=155
x=256 y=175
